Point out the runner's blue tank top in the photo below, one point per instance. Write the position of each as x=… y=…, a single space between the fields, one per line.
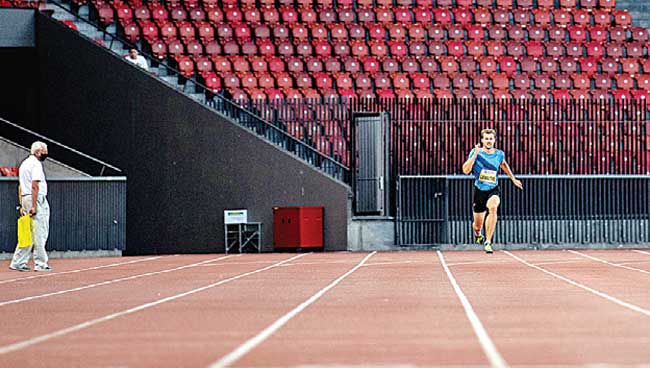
x=486 y=168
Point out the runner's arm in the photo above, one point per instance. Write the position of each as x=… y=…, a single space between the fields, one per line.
x=506 y=168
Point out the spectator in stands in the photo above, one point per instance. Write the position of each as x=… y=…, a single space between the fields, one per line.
x=134 y=58
x=33 y=200
x=484 y=163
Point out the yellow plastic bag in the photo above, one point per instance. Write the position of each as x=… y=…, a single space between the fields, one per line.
x=25 y=231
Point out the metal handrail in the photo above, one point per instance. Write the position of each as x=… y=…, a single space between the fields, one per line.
x=58 y=144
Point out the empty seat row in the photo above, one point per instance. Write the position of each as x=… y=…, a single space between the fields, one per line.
x=403 y=16
x=401 y=50
x=377 y=32
x=420 y=81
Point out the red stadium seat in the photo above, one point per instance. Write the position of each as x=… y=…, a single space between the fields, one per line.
x=634 y=49
x=542 y=81
x=521 y=81
x=617 y=34
x=390 y=65
x=568 y=65
x=332 y=64
x=624 y=81
x=495 y=48
x=448 y=64
x=410 y=65
x=423 y=15
x=480 y=82
x=314 y=64
x=429 y=65
x=437 y=48
x=643 y=81
x=482 y=94
x=534 y=49
x=602 y=81
x=640 y=95
x=455 y=31
x=609 y=66
x=536 y=33
x=639 y=34
x=441 y=82
x=602 y=17
x=304 y=80
x=588 y=65
x=468 y=64
x=618 y=94
x=416 y=32
x=496 y=32
x=363 y=82
x=622 y=18
x=580 y=94
x=548 y=65
x=460 y=81
x=598 y=33
x=482 y=17
x=507 y=65
x=594 y=49
x=370 y=64
x=614 y=50
x=366 y=15
x=561 y=17
x=560 y=94
x=630 y=65
x=442 y=16
x=529 y=65
x=421 y=81
x=542 y=17
x=300 y=32
x=521 y=16
x=384 y=15
x=382 y=81
x=581 y=17
x=475 y=48
x=562 y=81
x=252 y=16
x=265 y=80
x=555 y=49
x=581 y=81
x=501 y=16
x=487 y=65
x=577 y=33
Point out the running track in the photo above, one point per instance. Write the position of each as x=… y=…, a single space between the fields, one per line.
x=405 y=309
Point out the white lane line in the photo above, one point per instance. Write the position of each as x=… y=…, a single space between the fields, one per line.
x=249 y=345
x=390 y=263
x=609 y=263
x=641 y=251
x=50 y=274
x=490 y=350
x=108 y=282
x=474 y=263
x=581 y=286
x=42 y=338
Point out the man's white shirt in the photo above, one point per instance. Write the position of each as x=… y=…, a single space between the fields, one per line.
x=32 y=169
x=139 y=61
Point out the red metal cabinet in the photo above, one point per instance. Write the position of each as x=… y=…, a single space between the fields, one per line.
x=297 y=227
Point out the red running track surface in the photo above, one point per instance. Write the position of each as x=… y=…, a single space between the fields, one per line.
x=523 y=308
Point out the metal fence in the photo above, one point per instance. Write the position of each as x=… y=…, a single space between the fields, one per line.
x=86 y=214
x=434 y=136
x=552 y=209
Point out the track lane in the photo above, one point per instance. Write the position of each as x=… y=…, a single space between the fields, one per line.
x=399 y=309
x=537 y=319
x=196 y=329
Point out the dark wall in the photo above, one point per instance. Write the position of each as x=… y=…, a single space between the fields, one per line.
x=184 y=163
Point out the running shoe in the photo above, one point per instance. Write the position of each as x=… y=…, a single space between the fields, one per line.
x=479 y=239
x=488 y=247
x=43 y=269
x=20 y=268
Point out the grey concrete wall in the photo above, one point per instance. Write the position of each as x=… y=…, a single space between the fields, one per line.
x=17 y=27
x=12 y=154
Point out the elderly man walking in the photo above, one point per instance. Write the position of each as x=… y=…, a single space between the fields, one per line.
x=33 y=200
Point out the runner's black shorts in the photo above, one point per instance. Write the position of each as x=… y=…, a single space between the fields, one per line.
x=481 y=197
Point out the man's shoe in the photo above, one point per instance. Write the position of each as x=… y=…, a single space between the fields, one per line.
x=43 y=269
x=20 y=268
x=488 y=247
x=479 y=239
